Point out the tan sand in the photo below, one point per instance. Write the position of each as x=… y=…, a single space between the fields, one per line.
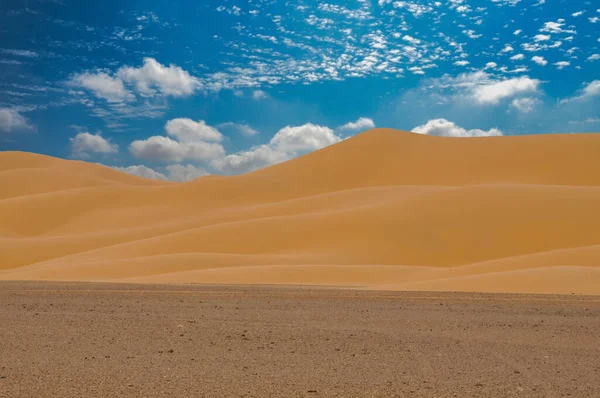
x=383 y=210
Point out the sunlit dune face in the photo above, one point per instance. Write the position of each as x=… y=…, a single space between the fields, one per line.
x=385 y=210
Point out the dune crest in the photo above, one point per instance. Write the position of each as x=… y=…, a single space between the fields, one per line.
x=384 y=209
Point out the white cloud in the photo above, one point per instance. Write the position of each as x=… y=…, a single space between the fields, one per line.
x=169 y=80
x=491 y=65
x=362 y=123
x=84 y=144
x=493 y=92
x=103 y=86
x=289 y=142
x=173 y=172
x=593 y=19
x=245 y=161
x=517 y=32
x=591 y=90
x=562 y=64
x=259 y=94
x=19 y=53
x=539 y=60
x=445 y=128
x=178 y=172
x=244 y=129
x=482 y=88
x=577 y=14
x=556 y=27
x=411 y=39
x=142 y=171
x=594 y=57
x=541 y=37
x=462 y=63
x=11 y=120
x=169 y=150
x=308 y=137
x=517 y=57
x=187 y=130
x=148 y=80
x=192 y=140
x=507 y=48
x=416 y=70
x=524 y=105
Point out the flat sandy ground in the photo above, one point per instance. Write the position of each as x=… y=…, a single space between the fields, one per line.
x=82 y=340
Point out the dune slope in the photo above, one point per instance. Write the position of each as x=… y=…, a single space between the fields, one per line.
x=385 y=209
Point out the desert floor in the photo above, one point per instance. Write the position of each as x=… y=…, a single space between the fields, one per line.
x=87 y=339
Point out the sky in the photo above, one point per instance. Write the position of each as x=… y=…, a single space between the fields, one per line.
x=177 y=90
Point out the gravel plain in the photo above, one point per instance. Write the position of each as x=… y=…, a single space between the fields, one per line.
x=101 y=340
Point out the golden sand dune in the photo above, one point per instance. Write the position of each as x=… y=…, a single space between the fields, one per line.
x=385 y=209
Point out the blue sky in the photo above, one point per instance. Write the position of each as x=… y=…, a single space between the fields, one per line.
x=175 y=90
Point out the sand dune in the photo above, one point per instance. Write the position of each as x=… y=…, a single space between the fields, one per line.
x=385 y=209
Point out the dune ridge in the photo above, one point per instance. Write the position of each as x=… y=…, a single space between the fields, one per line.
x=385 y=209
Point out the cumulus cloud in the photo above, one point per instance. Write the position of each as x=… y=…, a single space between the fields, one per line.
x=446 y=128
x=556 y=27
x=11 y=120
x=148 y=80
x=187 y=130
x=191 y=140
x=539 y=60
x=142 y=171
x=181 y=173
x=168 y=150
x=362 y=123
x=481 y=87
x=561 y=64
x=252 y=159
x=169 y=80
x=493 y=92
x=173 y=172
x=103 y=86
x=288 y=142
x=308 y=137
x=411 y=40
x=85 y=144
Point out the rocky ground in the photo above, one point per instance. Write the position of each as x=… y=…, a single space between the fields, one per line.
x=99 y=340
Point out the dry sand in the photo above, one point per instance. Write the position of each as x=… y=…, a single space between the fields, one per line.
x=382 y=210
x=94 y=340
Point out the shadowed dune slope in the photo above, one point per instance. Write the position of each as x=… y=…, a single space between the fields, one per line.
x=384 y=209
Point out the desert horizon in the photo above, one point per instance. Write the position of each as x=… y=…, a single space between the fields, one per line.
x=384 y=210
x=361 y=198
